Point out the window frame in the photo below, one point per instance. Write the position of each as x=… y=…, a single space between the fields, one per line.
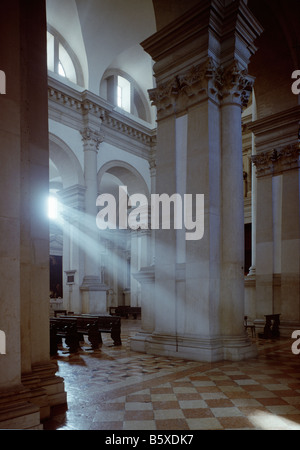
x=139 y=106
x=59 y=40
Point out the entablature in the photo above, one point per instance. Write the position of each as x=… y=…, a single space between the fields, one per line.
x=74 y=108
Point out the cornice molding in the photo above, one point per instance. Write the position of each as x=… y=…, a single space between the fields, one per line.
x=211 y=18
x=74 y=109
x=274 y=121
x=277 y=161
x=277 y=130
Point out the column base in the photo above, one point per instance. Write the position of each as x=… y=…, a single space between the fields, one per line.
x=46 y=388
x=203 y=349
x=17 y=412
x=252 y=271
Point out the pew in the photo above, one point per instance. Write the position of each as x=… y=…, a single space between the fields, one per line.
x=72 y=328
x=125 y=311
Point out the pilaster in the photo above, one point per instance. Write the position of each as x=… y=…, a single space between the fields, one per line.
x=24 y=309
x=73 y=206
x=93 y=292
x=146 y=277
x=278 y=228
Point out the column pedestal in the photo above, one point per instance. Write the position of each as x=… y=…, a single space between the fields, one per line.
x=146 y=277
x=17 y=412
x=93 y=296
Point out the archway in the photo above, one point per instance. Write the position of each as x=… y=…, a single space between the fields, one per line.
x=66 y=188
x=124 y=251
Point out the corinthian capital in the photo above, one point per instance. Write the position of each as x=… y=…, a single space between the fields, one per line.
x=197 y=79
x=184 y=89
x=277 y=160
x=234 y=84
x=165 y=94
x=91 y=139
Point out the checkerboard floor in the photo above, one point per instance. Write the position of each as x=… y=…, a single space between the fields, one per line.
x=114 y=388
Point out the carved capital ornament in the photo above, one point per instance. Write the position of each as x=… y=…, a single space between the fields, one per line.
x=91 y=139
x=277 y=160
x=230 y=84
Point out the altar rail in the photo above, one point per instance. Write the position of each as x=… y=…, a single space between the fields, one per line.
x=126 y=311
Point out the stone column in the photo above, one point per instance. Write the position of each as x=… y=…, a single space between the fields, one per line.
x=134 y=267
x=28 y=384
x=152 y=167
x=252 y=270
x=146 y=277
x=111 y=275
x=264 y=247
x=236 y=89
x=72 y=199
x=92 y=290
x=10 y=219
x=198 y=314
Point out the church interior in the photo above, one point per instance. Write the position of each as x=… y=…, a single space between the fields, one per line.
x=117 y=324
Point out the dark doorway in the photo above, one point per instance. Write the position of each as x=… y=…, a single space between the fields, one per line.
x=56 y=276
x=248 y=248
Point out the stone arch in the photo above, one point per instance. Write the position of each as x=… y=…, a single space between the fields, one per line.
x=140 y=102
x=68 y=167
x=123 y=173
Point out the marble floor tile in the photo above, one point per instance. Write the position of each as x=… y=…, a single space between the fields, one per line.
x=115 y=388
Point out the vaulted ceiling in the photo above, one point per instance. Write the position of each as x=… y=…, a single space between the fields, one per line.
x=106 y=34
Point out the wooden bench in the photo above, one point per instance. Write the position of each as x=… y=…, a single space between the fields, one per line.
x=59 y=312
x=125 y=311
x=74 y=327
x=271 y=329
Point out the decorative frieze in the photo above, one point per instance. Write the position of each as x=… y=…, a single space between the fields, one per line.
x=277 y=160
x=221 y=84
x=70 y=106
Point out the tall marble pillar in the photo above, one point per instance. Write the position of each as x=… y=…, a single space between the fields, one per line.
x=92 y=290
x=198 y=299
x=134 y=267
x=28 y=382
x=72 y=200
x=252 y=269
x=152 y=168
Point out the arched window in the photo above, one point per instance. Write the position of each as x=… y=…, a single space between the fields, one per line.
x=61 y=59
x=122 y=91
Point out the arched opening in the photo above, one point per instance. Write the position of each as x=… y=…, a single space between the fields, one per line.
x=61 y=59
x=66 y=197
x=124 y=251
x=123 y=91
